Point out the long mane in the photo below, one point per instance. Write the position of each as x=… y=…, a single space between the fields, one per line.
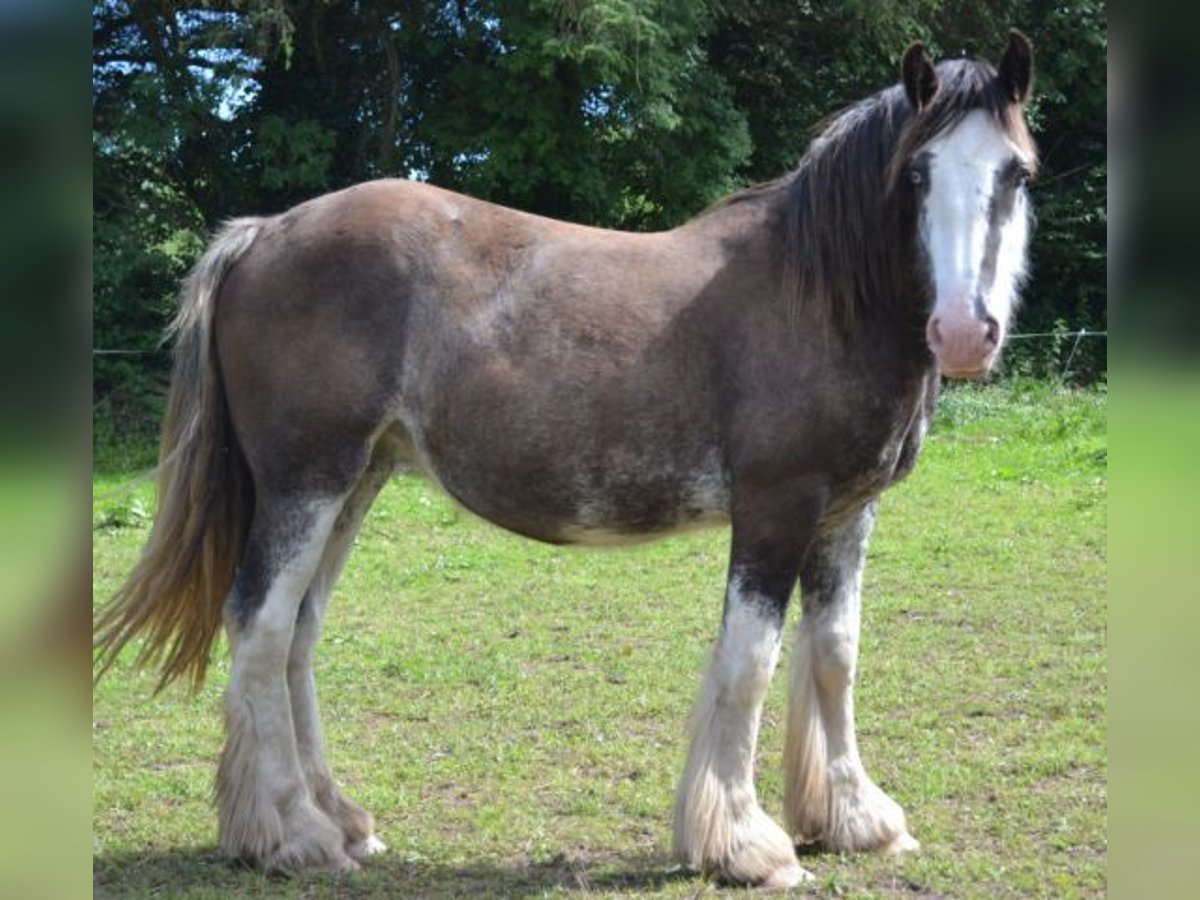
x=845 y=250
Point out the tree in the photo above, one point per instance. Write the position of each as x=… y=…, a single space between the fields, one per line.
x=1070 y=256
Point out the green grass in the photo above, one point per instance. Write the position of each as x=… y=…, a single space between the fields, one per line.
x=514 y=714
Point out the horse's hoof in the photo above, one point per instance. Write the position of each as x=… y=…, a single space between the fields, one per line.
x=903 y=843
x=313 y=843
x=367 y=847
x=288 y=862
x=345 y=864
x=786 y=877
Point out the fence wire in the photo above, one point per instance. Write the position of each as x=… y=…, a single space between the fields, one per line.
x=1078 y=335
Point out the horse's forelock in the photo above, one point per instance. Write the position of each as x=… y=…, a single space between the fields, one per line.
x=963 y=87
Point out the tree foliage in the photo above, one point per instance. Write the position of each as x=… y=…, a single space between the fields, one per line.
x=623 y=113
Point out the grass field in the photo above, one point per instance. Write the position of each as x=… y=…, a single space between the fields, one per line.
x=514 y=714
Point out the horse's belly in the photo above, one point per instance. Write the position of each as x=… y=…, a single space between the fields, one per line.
x=624 y=512
x=616 y=499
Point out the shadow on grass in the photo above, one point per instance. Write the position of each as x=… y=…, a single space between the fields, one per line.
x=204 y=873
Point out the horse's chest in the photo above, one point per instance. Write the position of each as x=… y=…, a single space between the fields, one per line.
x=885 y=457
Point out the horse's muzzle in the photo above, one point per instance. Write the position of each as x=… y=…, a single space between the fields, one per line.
x=964 y=345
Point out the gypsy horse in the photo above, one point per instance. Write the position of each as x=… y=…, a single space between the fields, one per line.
x=772 y=364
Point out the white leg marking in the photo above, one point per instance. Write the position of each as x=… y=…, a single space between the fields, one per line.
x=719 y=826
x=358 y=826
x=806 y=780
x=266 y=811
x=368 y=846
x=828 y=794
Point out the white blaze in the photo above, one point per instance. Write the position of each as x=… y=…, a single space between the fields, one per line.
x=965 y=165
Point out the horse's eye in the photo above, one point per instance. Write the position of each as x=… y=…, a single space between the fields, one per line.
x=915 y=177
x=1024 y=176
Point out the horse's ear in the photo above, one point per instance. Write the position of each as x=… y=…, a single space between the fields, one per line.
x=1016 y=68
x=920 y=80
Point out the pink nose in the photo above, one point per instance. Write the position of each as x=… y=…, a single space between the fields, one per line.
x=965 y=346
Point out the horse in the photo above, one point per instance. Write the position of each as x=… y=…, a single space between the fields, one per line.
x=771 y=364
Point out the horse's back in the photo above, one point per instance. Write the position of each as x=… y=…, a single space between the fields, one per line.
x=380 y=263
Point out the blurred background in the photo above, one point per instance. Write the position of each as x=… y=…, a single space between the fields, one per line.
x=45 y=225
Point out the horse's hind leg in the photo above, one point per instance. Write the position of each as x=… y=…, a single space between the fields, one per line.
x=828 y=794
x=266 y=812
x=358 y=828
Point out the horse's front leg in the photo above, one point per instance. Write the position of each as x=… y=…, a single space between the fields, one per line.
x=719 y=826
x=828 y=794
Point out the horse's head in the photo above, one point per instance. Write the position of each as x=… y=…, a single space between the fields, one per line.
x=965 y=159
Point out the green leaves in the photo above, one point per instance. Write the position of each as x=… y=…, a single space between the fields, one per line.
x=292 y=154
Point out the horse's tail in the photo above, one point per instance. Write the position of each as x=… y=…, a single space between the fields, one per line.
x=176 y=592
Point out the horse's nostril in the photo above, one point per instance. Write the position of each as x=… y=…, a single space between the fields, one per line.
x=992 y=335
x=933 y=334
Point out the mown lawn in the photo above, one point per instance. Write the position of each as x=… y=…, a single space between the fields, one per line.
x=514 y=714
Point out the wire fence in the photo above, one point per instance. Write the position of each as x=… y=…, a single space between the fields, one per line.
x=1081 y=333
x=1078 y=335
x=1064 y=336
